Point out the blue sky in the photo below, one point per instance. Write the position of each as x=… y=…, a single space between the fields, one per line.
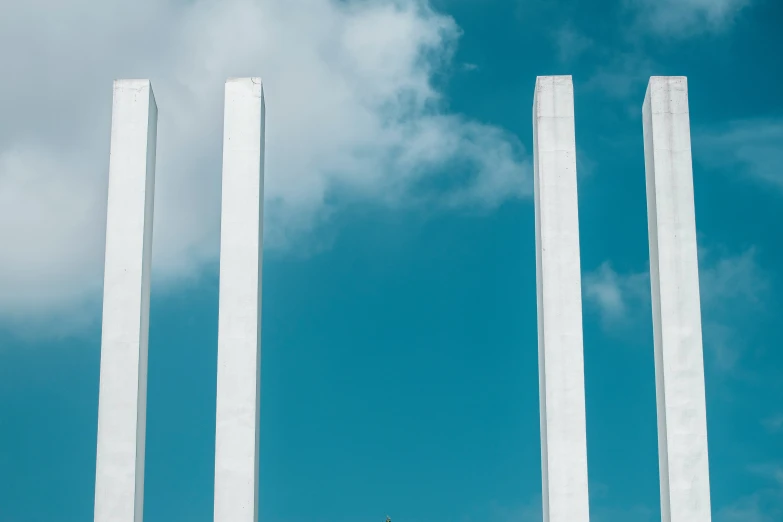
x=399 y=331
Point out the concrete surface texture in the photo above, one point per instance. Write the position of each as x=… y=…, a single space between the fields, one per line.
x=558 y=283
x=674 y=275
x=119 y=480
x=239 y=322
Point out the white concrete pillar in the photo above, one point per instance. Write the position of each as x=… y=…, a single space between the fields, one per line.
x=558 y=284
x=239 y=323
x=122 y=405
x=674 y=275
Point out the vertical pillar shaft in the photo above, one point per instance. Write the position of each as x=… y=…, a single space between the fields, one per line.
x=119 y=480
x=239 y=323
x=558 y=285
x=674 y=275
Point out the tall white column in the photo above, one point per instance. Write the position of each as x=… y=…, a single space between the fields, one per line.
x=122 y=405
x=674 y=275
x=239 y=323
x=558 y=285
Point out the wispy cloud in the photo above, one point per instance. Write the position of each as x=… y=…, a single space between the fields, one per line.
x=683 y=18
x=620 y=298
x=528 y=512
x=770 y=471
x=753 y=148
x=605 y=507
x=726 y=279
x=764 y=505
x=571 y=43
x=733 y=289
x=773 y=423
x=728 y=284
x=622 y=75
x=636 y=513
x=602 y=511
x=621 y=70
x=352 y=112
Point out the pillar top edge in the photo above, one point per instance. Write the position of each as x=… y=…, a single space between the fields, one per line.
x=664 y=82
x=553 y=83
x=668 y=78
x=245 y=79
x=137 y=85
x=666 y=86
x=132 y=82
x=556 y=94
x=555 y=78
x=251 y=84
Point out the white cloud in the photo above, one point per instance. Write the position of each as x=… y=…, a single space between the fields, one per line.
x=680 y=18
x=752 y=147
x=729 y=285
x=617 y=296
x=351 y=113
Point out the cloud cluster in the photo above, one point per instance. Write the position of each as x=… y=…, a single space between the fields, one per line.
x=682 y=18
x=352 y=113
x=621 y=70
x=752 y=147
